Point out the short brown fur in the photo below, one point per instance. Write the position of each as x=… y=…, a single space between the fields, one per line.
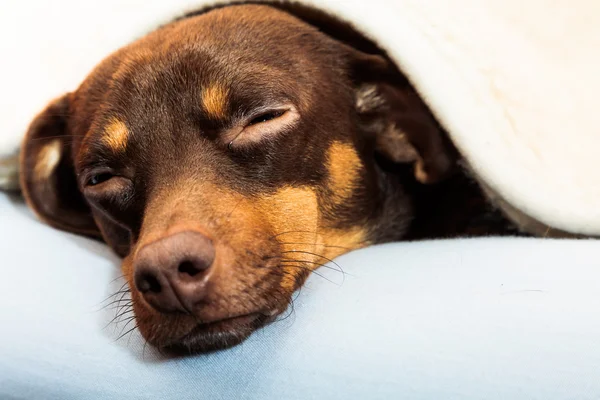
x=181 y=131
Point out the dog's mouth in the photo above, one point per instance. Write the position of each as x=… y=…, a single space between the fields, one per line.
x=220 y=334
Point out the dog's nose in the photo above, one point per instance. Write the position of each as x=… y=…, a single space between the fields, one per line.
x=171 y=273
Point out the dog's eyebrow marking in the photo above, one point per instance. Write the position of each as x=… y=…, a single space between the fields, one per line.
x=214 y=100
x=343 y=164
x=47 y=160
x=116 y=135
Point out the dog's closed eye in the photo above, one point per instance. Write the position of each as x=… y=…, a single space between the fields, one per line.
x=107 y=188
x=112 y=194
x=265 y=124
x=265 y=117
x=98 y=178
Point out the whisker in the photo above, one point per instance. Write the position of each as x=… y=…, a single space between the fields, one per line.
x=129 y=331
x=115 y=294
x=290 y=232
x=115 y=318
x=126 y=320
x=124 y=307
x=122 y=298
x=144 y=350
x=323 y=265
x=313 y=269
x=317 y=244
x=121 y=320
x=124 y=313
x=292 y=311
x=129 y=338
x=274 y=271
x=318 y=264
x=113 y=301
x=309 y=253
x=303 y=268
x=117 y=278
x=125 y=327
x=129 y=303
x=315 y=255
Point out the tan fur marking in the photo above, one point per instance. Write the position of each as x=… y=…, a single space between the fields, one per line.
x=116 y=135
x=293 y=215
x=214 y=100
x=291 y=209
x=47 y=160
x=343 y=165
x=338 y=242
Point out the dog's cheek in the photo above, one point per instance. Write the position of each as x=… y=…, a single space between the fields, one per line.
x=346 y=203
x=292 y=214
x=343 y=165
x=117 y=237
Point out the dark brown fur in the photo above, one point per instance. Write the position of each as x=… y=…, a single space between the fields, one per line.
x=156 y=124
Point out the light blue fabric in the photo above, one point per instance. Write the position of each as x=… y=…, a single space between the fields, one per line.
x=471 y=319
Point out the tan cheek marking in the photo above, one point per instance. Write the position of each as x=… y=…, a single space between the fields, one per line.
x=343 y=165
x=293 y=215
x=116 y=135
x=47 y=160
x=338 y=242
x=214 y=100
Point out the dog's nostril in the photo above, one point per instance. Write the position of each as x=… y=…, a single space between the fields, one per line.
x=188 y=268
x=149 y=283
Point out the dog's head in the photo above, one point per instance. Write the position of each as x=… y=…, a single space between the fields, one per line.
x=226 y=156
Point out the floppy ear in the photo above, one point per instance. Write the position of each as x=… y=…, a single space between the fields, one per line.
x=49 y=182
x=404 y=129
x=48 y=178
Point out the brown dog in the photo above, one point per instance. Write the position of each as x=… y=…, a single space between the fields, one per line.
x=230 y=153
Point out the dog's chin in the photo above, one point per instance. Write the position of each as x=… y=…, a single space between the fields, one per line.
x=218 y=335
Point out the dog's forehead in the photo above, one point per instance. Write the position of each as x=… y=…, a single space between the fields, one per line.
x=227 y=58
x=177 y=81
x=233 y=53
x=229 y=41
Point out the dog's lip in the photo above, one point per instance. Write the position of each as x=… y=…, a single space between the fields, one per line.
x=224 y=324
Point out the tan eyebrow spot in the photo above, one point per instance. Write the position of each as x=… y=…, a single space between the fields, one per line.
x=214 y=100
x=343 y=164
x=47 y=160
x=116 y=135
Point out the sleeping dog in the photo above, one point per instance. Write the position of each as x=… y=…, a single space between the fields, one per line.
x=229 y=153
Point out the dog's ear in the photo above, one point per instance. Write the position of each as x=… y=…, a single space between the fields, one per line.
x=404 y=129
x=48 y=179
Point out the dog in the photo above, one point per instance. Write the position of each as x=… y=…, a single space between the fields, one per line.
x=228 y=154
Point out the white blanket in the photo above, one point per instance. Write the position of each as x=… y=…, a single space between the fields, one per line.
x=513 y=82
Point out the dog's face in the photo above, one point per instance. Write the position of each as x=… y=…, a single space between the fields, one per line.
x=226 y=156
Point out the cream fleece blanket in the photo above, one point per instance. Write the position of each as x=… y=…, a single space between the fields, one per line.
x=514 y=82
